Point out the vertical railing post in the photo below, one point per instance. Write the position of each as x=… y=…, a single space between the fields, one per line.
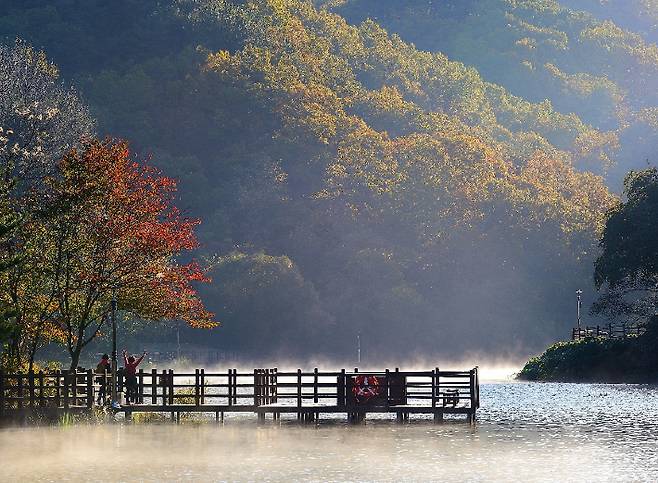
x=120 y=380
x=154 y=387
x=435 y=375
x=398 y=382
x=58 y=388
x=267 y=374
x=388 y=386
x=299 y=393
x=41 y=383
x=315 y=385
x=472 y=387
x=19 y=385
x=197 y=388
x=261 y=386
x=230 y=387
x=140 y=387
x=276 y=388
x=340 y=389
x=235 y=386
x=66 y=379
x=477 y=387
x=203 y=386
x=256 y=386
x=171 y=387
x=90 y=388
x=163 y=382
x=30 y=383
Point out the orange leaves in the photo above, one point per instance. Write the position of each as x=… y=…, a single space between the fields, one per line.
x=125 y=233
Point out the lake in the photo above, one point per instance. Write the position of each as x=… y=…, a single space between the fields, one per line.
x=525 y=432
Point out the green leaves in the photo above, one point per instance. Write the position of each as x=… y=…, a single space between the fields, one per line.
x=627 y=268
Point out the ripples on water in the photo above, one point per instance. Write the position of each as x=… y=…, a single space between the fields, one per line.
x=525 y=432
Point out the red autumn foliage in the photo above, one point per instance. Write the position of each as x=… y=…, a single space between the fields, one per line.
x=131 y=233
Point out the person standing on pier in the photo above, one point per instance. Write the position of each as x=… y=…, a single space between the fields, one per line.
x=102 y=369
x=130 y=373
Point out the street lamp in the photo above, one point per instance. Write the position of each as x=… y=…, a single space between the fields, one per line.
x=178 y=342
x=114 y=349
x=578 y=294
x=358 y=348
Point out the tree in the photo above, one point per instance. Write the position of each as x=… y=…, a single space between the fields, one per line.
x=8 y=224
x=41 y=118
x=627 y=269
x=117 y=232
x=268 y=297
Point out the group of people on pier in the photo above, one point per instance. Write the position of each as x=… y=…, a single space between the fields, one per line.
x=129 y=372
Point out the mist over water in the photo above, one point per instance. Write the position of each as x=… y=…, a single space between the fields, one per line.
x=525 y=432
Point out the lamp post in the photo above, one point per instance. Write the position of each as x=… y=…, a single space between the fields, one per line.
x=178 y=342
x=578 y=294
x=358 y=348
x=114 y=349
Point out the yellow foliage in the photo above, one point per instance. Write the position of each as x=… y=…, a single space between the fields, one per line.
x=425 y=135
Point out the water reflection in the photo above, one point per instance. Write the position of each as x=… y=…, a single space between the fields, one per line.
x=526 y=432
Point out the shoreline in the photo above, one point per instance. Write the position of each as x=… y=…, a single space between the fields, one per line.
x=632 y=360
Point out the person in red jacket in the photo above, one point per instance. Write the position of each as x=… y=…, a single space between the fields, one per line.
x=102 y=369
x=130 y=373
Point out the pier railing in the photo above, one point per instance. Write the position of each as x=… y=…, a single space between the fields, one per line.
x=260 y=391
x=610 y=331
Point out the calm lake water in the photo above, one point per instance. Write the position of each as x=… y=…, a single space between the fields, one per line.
x=526 y=432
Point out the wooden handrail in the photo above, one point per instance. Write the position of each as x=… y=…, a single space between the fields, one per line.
x=70 y=389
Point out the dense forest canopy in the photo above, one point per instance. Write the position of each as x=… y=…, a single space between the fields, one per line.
x=434 y=175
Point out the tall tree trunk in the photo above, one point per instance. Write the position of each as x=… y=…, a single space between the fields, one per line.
x=75 y=358
x=75 y=353
x=15 y=351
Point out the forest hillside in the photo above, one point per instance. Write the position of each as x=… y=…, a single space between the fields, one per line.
x=432 y=175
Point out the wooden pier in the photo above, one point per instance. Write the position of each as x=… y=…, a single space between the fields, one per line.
x=263 y=392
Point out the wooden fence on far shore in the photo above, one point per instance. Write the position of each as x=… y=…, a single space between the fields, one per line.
x=609 y=331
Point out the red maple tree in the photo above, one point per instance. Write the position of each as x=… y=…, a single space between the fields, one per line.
x=117 y=232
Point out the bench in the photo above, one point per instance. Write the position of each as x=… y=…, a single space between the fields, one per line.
x=450 y=397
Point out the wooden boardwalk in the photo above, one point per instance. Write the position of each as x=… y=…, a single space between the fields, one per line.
x=263 y=392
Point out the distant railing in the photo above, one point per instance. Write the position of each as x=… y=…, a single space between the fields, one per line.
x=609 y=331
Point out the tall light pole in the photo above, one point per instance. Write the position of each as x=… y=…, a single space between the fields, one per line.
x=578 y=294
x=358 y=348
x=178 y=342
x=114 y=348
